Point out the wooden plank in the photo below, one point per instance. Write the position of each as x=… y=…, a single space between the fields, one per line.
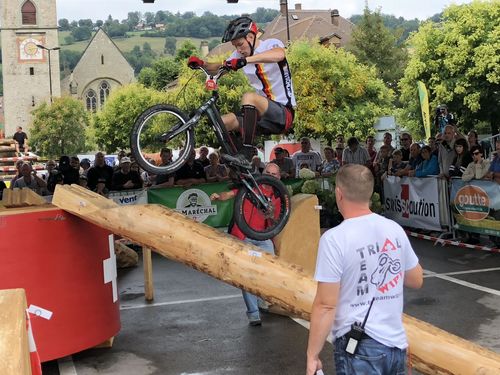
x=14 y=349
x=21 y=197
x=175 y=236
x=149 y=291
x=106 y=344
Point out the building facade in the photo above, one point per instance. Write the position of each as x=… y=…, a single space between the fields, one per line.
x=101 y=69
x=27 y=24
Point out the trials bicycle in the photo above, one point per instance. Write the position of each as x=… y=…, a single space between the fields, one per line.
x=166 y=125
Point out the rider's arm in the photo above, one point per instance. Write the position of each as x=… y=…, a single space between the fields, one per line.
x=270 y=56
x=222 y=196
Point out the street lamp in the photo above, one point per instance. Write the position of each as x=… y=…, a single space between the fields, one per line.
x=50 y=67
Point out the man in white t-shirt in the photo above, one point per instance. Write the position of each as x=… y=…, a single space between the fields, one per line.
x=366 y=259
x=306 y=156
x=270 y=109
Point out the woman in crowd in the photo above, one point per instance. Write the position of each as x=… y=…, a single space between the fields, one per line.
x=429 y=165
x=478 y=168
x=215 y=171
x=494 y=171
x=462 y=160
x=330 y=165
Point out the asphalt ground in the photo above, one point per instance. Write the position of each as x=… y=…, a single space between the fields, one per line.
x=197 y=325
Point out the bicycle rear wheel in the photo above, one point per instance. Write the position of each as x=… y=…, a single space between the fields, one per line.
x=276 y=216
x=153 y=131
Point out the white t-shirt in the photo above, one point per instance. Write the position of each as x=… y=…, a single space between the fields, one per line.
x=368 y=255
x=311 y=158
x=272 y=80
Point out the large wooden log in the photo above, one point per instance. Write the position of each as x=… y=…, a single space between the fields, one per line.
x=14 y=350
x=175 y=236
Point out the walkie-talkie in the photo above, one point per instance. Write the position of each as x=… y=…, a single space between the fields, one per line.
x=356 y=333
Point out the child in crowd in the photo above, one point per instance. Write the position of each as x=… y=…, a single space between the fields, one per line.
x=396 y=164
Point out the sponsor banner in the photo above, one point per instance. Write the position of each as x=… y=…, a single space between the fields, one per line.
x=476 y=206
x=128 y=197
x=412 y=202
x=195 y=203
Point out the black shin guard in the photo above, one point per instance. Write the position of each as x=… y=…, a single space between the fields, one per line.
x=249 y=125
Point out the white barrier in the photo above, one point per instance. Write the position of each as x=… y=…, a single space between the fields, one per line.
x=129 y=197
x=414 y=202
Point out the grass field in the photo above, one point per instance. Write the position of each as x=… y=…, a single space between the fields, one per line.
x=127 y=44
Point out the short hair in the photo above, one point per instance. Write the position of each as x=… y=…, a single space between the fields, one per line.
x=427 y=148
x=476 y=148
x=356 y=182
x=384 y=147
x=165 y=150
x=462 y=142
x=397 y=152
x=352 y=141
x=328 y=148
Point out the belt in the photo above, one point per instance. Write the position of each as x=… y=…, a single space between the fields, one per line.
x=364 y=336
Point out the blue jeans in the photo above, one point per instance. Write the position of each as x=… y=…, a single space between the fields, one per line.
x=371 y=358
x=251 y=301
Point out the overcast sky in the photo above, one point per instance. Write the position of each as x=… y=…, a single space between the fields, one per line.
x=100 y=9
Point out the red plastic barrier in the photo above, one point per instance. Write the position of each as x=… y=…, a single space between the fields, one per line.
x=59 y=260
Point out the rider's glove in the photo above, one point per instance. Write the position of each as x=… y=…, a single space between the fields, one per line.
x=235 y=64
x=195 y=62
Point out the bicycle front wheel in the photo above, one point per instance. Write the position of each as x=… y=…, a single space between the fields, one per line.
x=256 y=221
x=153 y=131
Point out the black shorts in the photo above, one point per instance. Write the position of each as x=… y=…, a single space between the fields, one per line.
x=278 y=119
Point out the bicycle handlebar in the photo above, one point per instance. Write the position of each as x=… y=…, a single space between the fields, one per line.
x=220 y=72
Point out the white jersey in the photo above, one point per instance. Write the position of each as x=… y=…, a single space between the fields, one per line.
x=368 y=255
x=272 y=80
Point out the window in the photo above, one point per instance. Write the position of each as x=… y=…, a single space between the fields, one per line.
x=32 y=71
x=28 y=12
x=102 y=59
x=103 y=92
x=91 y=100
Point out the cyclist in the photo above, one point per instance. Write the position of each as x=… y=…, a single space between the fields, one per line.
x=270 y=109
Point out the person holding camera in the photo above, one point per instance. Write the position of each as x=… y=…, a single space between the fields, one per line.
x=443 y=118
x=361 y=268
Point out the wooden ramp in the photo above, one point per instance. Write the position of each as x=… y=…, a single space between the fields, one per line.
x=173 y=235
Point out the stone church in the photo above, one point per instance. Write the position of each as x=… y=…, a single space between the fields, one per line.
x=28 y=25
x=101 y=69
x=30 y=48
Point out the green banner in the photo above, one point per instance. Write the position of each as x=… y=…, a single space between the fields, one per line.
x=194 y=201
x=476 y=206
x=424 y=107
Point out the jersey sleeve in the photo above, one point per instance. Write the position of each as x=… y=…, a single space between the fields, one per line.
x=410 y=259
x=329 y=261
x=274 y=43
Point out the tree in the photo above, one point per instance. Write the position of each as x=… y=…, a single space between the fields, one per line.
x=68 y=59
x=133 y=19
x=186 y=49
x=68 y=39
x=112 y=125
x=213 y=43
x=161 y=73
x=170 y=45
x=99 y=23
x=375 y=45
x=64 y=24
x=149 y=17
x=458 y=59
x=334 y=92
x=81 y=33
x=86 y=23
x=58 y=128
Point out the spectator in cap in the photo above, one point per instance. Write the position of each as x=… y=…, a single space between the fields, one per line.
x=285 y=163
x=125 y=178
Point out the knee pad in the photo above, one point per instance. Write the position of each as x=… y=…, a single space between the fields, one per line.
x=249 y=124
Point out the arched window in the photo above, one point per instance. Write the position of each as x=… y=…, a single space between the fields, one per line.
x=28 y=12
x=91 y=100
x=103 y=92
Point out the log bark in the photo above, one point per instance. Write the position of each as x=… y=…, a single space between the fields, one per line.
x=177 y=237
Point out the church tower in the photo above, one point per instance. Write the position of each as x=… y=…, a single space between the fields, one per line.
x=27 y=81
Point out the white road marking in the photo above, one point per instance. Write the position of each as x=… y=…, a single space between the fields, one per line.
x=306 y=325
x=463 y=283
x=66 y=366
x=180 y=302
x=433 y=274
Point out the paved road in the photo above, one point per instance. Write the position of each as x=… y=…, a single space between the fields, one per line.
x=197 y=324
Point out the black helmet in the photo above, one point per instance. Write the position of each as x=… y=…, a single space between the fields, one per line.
x=239 y=28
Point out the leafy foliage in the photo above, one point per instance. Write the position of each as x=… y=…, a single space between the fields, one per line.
x=186 y=49
x=113 y=124
x=81 y=33
x=398 y=25
x=334 y=92
x=58 y=128
x=170 y=45
x=459 y=61
x=375 y=45
x=160 y=74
